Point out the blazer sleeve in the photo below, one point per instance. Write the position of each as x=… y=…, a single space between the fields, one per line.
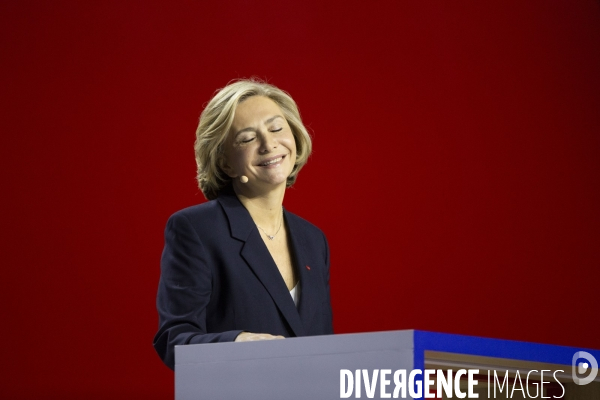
x=184 y=292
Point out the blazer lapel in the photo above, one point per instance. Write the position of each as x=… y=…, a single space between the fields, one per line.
x=306 y=307
x=257 y=256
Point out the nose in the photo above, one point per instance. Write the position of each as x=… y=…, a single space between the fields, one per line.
x=268 y=143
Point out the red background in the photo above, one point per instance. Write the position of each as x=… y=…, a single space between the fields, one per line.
x=455 y=171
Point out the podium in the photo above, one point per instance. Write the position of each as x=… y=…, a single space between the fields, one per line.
x=311 y=367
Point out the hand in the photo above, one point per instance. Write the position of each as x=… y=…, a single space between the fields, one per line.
x=251 y=337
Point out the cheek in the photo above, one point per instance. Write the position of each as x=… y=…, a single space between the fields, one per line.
x=291 y=144
x=293 y=155
x=235 y=160
x=240 y=160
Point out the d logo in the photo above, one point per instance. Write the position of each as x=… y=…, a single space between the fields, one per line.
x=581 y=367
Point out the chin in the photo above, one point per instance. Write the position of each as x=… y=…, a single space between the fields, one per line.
x=276 y=182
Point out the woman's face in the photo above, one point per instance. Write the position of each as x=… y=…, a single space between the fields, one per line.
x=260 y=144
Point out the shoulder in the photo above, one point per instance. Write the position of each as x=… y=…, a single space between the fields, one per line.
x=204 y=210
x=200 y=216
x=310 y=241
x=305 y=227
x=301 y=222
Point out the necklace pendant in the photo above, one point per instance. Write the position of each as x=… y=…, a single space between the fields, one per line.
x=271 y=237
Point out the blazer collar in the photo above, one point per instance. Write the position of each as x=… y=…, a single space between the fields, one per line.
x=307 y=277
x=240 y=221
x=258 y=258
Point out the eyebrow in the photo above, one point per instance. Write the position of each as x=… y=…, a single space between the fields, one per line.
x=251 y=129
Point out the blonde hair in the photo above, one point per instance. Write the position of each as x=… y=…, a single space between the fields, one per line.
x=215 y=123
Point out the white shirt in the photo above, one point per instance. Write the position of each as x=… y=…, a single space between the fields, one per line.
x=295 y=293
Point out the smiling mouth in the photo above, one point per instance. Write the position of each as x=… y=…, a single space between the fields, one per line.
x=272 y=161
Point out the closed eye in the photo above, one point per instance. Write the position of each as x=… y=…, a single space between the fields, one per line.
x=276 y=130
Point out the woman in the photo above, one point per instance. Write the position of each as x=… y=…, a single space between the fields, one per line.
x=240 y=267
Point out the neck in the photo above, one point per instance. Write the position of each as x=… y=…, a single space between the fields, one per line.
x=264 y=206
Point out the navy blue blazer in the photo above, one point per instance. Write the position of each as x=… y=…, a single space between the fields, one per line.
x=219 y=279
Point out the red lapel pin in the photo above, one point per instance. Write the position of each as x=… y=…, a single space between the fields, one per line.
x=308 y=268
